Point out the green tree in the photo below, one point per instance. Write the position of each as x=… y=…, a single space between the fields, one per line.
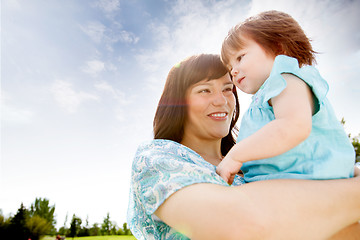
x=42 y=208
x=356 y=144
x=114 y=229
x=106 y=226
x=4 y=226
x=120 y=232
x=17 y=228
x=95 y=230
x=126 y=230
x=85 y=231
x=63 y=231
x=37 y=227
x=75 y=226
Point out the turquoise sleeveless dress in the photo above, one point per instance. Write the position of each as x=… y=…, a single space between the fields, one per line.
x=159 y=169
x=326 y=154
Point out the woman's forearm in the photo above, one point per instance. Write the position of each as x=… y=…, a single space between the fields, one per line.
x=274 y=209
x=306 y=209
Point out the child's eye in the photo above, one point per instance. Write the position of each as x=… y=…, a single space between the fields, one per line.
x=240 y=57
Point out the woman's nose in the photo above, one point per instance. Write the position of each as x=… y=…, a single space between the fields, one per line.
x=219 y=99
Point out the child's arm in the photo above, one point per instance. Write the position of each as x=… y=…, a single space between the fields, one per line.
x=293 y=109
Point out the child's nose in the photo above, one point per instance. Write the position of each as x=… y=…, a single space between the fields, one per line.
x=234 y=72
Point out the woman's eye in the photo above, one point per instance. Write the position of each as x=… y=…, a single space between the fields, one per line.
x=228 y=90
x=204 y=91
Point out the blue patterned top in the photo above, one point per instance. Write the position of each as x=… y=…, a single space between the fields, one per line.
x=160 y=168
x=326 y=154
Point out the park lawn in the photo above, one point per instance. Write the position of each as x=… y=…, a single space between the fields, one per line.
x=113 y=237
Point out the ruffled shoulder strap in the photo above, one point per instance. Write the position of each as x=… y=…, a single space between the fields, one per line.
x=318 y=85
x=275 y=84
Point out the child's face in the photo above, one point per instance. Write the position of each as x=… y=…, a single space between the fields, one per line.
x=250 y=66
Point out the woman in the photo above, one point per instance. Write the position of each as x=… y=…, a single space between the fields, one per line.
x=176 y=193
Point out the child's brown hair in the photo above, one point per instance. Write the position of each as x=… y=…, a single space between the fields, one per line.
x=276 y=32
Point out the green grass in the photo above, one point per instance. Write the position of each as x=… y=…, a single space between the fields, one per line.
x=95 y=238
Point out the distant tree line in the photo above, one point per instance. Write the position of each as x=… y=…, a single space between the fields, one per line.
x=78 y=229
x=39 y=220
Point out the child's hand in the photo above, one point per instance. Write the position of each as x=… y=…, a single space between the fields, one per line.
x=228 y=168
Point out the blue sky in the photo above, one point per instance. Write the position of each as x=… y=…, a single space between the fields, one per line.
x=80 y=81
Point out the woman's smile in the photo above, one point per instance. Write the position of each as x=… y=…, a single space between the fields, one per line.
x=219 y=116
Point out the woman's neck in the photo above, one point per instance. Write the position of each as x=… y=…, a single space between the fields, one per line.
x=210 y=150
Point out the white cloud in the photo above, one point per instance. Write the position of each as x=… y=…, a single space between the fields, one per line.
x=108 y=36
x=121 y=98
x=94 y=67
x=108 y=5
x=128 y=37
x=116 y=35
x=104 y=86
x=113 y=34
x=189 y=28
x=115 y=93
x=68 y=98
x=95 y=30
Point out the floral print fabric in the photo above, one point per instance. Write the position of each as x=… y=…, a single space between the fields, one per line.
x=160 y=168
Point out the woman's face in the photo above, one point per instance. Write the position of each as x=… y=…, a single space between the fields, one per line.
x=210 y=105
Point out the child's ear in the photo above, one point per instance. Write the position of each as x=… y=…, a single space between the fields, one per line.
x=281 y=49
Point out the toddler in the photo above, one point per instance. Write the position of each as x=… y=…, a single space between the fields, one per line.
x=290 y=129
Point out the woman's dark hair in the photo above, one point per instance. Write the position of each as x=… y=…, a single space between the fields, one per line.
x=171 y=112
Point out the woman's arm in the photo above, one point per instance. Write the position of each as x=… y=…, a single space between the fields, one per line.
x=273 y=209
